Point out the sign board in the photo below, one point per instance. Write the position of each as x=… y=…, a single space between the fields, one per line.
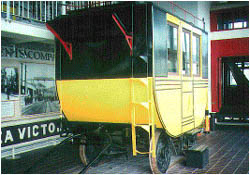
x=28 y=132
x=26 y=54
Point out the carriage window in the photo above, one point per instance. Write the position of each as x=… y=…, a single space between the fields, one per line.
x=172 y=48
x=196 y=54
x=186 y=52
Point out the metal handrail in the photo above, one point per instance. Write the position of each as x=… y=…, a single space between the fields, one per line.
x=177 y=10
x=195 y=18
x=42 y=11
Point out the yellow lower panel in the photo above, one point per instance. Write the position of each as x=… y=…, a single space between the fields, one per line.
x=95 y=100
x=187 y=127
x=105 y=100
x=187 y=104
x=200 y=105
x=169 y=106
x=187 y=86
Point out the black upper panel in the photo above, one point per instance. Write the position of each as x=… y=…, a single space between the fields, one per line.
x=160 y=42
x=99 y=47
x=142 y=41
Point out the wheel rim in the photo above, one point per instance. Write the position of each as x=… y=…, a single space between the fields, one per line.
x=162 y=156
x=88 y=149
x=83 y=156
x=160 y=164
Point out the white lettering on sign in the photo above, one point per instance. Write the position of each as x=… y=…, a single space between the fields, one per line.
x=8 y=137
x=17 y=134
x=29 y=132
x=21 y=133
x=52 y=127
x=44 y=126
x=34 y=128
x=23 y=53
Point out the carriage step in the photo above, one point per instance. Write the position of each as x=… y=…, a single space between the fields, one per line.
x=197 y=156
x=193 y=132
x=142 y=152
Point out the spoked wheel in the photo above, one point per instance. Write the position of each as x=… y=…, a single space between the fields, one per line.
x=89 y=148
x=161 y=162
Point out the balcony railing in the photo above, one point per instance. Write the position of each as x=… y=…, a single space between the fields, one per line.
x=76 y=5
x=43 y=11
x=40 y=11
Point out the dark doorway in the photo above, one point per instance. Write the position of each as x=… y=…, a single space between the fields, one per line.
x=235 y=88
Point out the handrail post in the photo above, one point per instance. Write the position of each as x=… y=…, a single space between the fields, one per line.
x=52 y=14
x=13 y=8
x=22 y=8
x=28 y=10
x=45 y=11
x=19 y=8
x=8 y=10
x=63 y=7
x=56 y=9
x=36 y=10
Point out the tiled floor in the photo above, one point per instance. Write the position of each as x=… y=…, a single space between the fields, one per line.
x=228 y=154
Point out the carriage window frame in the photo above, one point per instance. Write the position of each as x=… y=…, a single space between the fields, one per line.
x=198 y=55
x=184 y=72
x=176 y=72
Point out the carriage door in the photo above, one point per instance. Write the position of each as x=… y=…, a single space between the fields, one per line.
x=187 y=80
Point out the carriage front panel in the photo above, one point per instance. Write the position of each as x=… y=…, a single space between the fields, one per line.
x=104 y=100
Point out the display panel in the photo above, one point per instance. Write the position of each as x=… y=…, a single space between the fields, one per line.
x=38 y=89
x=27 y=81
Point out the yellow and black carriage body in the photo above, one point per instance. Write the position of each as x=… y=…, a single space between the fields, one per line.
x=134 y=70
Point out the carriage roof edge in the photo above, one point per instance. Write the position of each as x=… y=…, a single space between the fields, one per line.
x=123 y=4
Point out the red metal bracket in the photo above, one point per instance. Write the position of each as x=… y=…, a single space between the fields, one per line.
x=67 y=46
x=128 y=38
